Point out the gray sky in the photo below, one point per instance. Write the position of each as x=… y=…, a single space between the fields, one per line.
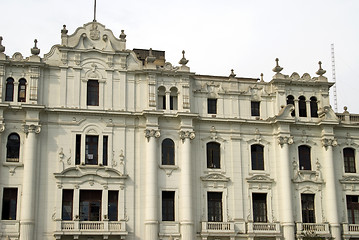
x=246 y=35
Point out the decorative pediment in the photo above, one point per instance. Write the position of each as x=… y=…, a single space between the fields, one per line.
x=284 y=113
x=259 y=179
x=327 y=114
x=350 y=180
x=216 y=177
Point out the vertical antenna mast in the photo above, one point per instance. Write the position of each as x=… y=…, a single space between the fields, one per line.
x=334 y=80
x=94 y=11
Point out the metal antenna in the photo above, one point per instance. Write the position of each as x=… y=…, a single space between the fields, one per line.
x=94 y=11
x=334 y=80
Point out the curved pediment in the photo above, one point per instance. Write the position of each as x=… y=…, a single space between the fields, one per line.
x=84 y=172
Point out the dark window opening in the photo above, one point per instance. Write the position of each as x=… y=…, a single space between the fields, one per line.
x=168 y=206
x=9 y=204
x=105 y=151
x=213 y=155
x=255 y=109
x=304 y=158
x=313 y=107
x=173 y=99
x=214 y=200
x=113 y=205
x=92 y=93
x=302 y=107
x=168 y=152
x=13 y=148
x=22 y=91
x=257 y=157
x=290 y=100
x=212 y=106
x=78 y=149
x=9 y=95
x=90 y=205
x=308 y=211
x=91 y=150
x=161 y=98
x=259 y=207
x=353 y=209
x=67 y=204
x=349 y=160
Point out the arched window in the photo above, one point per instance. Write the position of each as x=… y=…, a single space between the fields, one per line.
x=92 y=93
x=161 y=98
x=22 y=91
x=173 y=99
x=257 y=157
x=290 y=100
x=304 y=158
x=349 y=160
x=313 y=107
x=213 y=155
x=13 y=148
x=9 y=95
x=302 y=107
x=168 y=152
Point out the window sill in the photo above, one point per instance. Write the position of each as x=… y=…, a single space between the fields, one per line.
x=214 y=170
x=16 y=164
x=169 y=167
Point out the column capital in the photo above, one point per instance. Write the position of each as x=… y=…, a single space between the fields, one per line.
x=285 y=140
x=2 y=127
x=152 y=133
x=187 y=134
x=332 y=142
x=31 y=128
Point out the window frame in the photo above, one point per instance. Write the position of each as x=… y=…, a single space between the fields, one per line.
x=290 y=100
x=349 y=161
x=305 y=163
x=168 y=206
x=113 y=205
x=9 y=205
x=260 y=213
x=14 y=149
x=212 y=105
x=9 y=88
x=168 y=152
x=302 y=106
x=255 y=108
x=308 y=208
x=93 y=93
x=69 y=203
x=213 y=156
x=352 y=209
x=22 y=83
x=214 y=206
x=313 y=107
x=95 y=202
x=257 y=158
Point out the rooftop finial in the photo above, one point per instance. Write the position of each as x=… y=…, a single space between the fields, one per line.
x=64 y=31
x=35 y=50
x=320 y=71
x=262 y=77
x=277 y=68
x=123 y=36
x=2 y=48
x=183 y=60
x=94 y=11
x=150 y=58
x=232 y=75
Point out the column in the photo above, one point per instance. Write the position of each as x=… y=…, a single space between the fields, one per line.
x=27 y=219
x=285 y=182
x=330 y=187
x=151 y=191
x=168 y=100
x=307 y=103
x=296 y=108
x=185 y=187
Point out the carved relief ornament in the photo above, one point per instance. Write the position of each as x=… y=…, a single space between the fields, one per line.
x=152 y=133
x=31 y=128
x=326 y=142
x=187 y=134
x=285 y=140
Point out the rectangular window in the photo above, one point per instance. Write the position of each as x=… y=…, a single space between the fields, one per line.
x=91 y=150
x=259 y=207
x=67 y=204
x=349 y=160
x=78 y=149
x=255 y=109
x=308 y=211
x=353 y=209
x=105 y=151
x=214 y=200
x=9 y=204
x=92 y=93
x=168 y=206
x=212 y=106
x=113 y=205
x=90 y=205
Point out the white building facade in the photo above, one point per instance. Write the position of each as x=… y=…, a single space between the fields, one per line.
x=102 y=142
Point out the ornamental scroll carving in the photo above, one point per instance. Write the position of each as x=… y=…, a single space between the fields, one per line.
x=31 y=128
x=285 y=140
x=152 y=133
x=326 y=142
x=187 y=134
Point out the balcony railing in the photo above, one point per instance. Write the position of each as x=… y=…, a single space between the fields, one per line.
x=264 y=228
x=224 y=227
x=313 y=228
x=66 y=227
x=352 y=229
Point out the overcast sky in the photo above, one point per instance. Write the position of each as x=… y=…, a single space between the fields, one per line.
x=246 y=35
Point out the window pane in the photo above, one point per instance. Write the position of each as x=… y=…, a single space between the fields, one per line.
x=78 y=149
x=259 y=207
x=213 y=155
x=9 y=95
x=92 y=93
x=353 y=209
x=168 y=206
x=113 y=205
x=91 y=150
x=90 y=205
x=302 y=107
x=9 y=204
x=257 y=157
x=212 y=106
x=105 y=151
x=304 y=158
x=313 y=107
x=13 y=148
x=290 y=100
x=168 y=152
x=349 y=160
x=67 y=204
x=214 y=200
x=22 y=91
x=255 y=108
x=308 y=211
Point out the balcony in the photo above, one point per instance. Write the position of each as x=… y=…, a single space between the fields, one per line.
x=264 y=229
x=90 y=228
x=217 y=227
x=351 y=230
x=313 y=229
x=10 y=228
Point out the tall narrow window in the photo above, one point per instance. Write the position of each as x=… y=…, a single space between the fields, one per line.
x=9 y=204
x=168 y=152
x=212 y=106
x=105 y=151
x=308 y=211
x=92 y=93
x=353 y=209
x=213 y=155
x=304 y=158
x=113 y=205
x=313 y=107
x=161 y=98
x=290 y=100
x=78 y=149
x=22 y=90
x=13 y=148
x=259 y=207
x=255 y=109
x=173 y=99
x=67 y=204
x=90 y=205
x=302 y=107
x=349 y=160
x=214 y=200
x=9 y=95
x=257 y=157
x=168 y=206
x=91 y=150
